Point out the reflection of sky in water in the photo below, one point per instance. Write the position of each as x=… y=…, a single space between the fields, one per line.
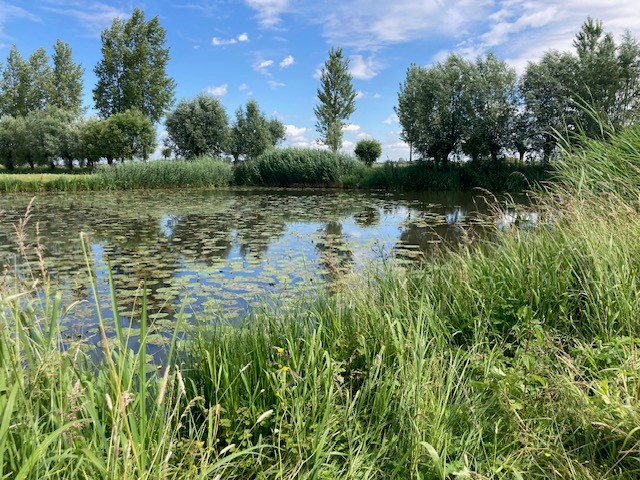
x=224 y=249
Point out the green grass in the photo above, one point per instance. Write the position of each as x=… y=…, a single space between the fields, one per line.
x=49 y=182
x=515 y=358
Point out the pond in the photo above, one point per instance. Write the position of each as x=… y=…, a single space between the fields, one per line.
x=218 y=252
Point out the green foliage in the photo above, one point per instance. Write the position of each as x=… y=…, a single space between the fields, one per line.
x=431 y=107
x=198 y=127
x=64 y=90
x=12 y=134
x=132 y=72
x=199 y=172
x=368 y=151
x=293 y=166
x=127 y=135
x=252 y=133
x=337 y=99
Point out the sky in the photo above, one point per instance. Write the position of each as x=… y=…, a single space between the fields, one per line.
x=273 y=50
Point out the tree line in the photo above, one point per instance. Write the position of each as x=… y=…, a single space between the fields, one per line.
x=481 y=109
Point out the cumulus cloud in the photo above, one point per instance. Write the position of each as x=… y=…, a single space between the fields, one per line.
x=273 y=84
x=219 y=91
x=287 y=61
x=296 y=136
x=221 y=42
x=268 y=11
x=351 y=127
x=364 y=69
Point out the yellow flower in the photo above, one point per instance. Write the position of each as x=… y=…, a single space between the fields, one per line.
x=285 y=369
x=280 y=350
x=200 y=444
x=547 y=454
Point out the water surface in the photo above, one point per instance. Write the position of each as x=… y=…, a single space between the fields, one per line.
x=220 y=251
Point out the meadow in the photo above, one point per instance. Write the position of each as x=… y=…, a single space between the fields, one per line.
x=509 y=358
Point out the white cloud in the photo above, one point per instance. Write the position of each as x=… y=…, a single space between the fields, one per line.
x=362 y=135
x=243 y=87
x=359 y=94
x=273 y=84
x=377 y=96
x=351 y=127
x=287 y=62
x=296 y=136
x=219 y=91
x=364 y=69
x=393 y=118
x=10 y=12
x=221 y=42
x=269 y=11
x=94 y=17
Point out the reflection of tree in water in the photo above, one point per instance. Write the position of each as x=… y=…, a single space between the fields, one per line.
x=336 y=257
x=368 y=217
x=258 y=221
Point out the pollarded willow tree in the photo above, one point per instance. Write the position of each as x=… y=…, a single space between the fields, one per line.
x=198 y=126
x=252 y=133
x=132 y=72
x=337 y=99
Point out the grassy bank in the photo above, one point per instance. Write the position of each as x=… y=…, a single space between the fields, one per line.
x=287 y=167
x=202 y=172
x=514 y=359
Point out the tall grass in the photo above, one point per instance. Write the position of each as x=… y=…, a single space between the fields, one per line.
x=295 y=167
x=200 y=172
x=511 y=359
x=65 y=414
x=49 y=182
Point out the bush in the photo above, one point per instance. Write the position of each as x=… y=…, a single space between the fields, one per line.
x=368 y=151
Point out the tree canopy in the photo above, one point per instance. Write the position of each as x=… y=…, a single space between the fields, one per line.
x=132 y=72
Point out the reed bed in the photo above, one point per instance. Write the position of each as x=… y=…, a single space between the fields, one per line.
x=199 y=172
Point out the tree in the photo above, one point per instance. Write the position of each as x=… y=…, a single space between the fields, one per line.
x=65 y=87
x=252 y=133
x=12 y=135
x=368 y=151
x=337 y=99
x=127 y=135
x=547 y=88
x=198 y=127
x=490 y=99
x=432 y=110
x=408 y=104
x=132 y=72
x=46 y=132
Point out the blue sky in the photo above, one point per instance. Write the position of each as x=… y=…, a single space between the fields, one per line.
x=272 y=50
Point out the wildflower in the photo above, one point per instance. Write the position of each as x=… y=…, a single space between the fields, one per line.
x=547 y=454
x=280 y=350
x=285 y=369
x=200 y=444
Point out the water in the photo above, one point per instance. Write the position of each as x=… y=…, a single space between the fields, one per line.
x=218 y=252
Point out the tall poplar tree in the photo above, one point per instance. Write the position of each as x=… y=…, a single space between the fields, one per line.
x=65 y=87
x=132 y=72
x=337 y=99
